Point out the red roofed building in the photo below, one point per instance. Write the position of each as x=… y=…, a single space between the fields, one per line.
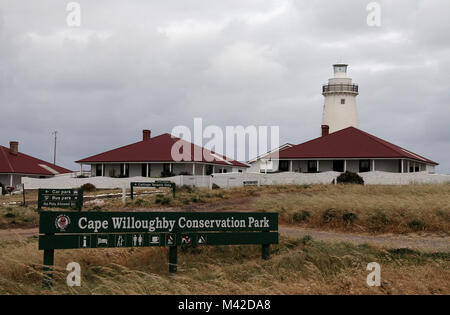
x=350 y=149
x=152 y=157
x=14 y=165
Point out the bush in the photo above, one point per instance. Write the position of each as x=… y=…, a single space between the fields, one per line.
x=184 y=173
x=88 y=187
x=2 y=189
x=350 y=178
x=416 y=225
x=167 y=174
x=330 y=215
x=163 y=200
x=301 y=216
x=215 y=186
x=349 y=217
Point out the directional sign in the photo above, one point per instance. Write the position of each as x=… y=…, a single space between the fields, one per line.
x=156 y=184
x=60 y=198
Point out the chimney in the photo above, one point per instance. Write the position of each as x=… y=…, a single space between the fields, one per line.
x=325 y=130
x=146 y=134
x=13 y=147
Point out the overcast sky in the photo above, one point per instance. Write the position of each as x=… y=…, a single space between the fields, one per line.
x=133 y=65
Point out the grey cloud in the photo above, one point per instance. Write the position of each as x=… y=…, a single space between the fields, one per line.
x=158 y=64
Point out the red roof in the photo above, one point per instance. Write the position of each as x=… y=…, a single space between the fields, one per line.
x=25 y=164
x=157 y=149
x=349 y=143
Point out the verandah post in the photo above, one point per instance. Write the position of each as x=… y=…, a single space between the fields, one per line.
x=49 y=258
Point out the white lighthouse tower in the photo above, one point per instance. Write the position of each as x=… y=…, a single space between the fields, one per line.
x=339 y=110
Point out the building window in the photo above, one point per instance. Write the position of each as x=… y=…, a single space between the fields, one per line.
x=98 y=170
x=364 y=166
x=338 y=166
x=342 y=101
x=312 y=166
x=284 y=166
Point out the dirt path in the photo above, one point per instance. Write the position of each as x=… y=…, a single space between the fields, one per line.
x=413 y=241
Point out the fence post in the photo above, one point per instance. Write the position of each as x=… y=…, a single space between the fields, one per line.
x=49 y=257
x=173 y=259
x=265 y=251
x=23 y=192
x=124 y=194
x=131 y=191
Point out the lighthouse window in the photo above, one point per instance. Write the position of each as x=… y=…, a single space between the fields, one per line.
x=342 y=100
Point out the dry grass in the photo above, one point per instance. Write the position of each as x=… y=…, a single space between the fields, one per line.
x=352 y=208
x=297 y=267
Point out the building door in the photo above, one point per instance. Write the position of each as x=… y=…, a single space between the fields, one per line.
x=284 y=166
x=312 y=166
x=338 y=166
x=144 y=169
x=209 y=169
x=98 y=170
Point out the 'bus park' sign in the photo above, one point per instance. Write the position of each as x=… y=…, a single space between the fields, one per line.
x=78 y=230
x=60 y=198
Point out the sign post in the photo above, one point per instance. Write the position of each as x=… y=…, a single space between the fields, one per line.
x=78 y=230
x=156 y=184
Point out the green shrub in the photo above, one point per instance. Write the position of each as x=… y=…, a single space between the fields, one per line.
x=163 y=200
x=167 y=174
x=301 y=216
x=140 y=202
x=350 y=178
x=349 y=217
x=379 y=218
x=186 y=188
x=215 y=186
x=88 y=187
x=330 y=215
x=416 y=225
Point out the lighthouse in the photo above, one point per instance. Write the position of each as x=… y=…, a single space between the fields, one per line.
x=339 y=109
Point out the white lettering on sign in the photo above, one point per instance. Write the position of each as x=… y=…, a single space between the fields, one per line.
x=162 y=223
x=95 y=225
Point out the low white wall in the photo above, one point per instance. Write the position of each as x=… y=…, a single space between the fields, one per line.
x=386 y=178
x=225 y=180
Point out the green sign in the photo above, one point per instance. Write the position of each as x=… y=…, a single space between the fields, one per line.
x=72 y=230
x=60 y=198
x=156 y=184
x=154 y=222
